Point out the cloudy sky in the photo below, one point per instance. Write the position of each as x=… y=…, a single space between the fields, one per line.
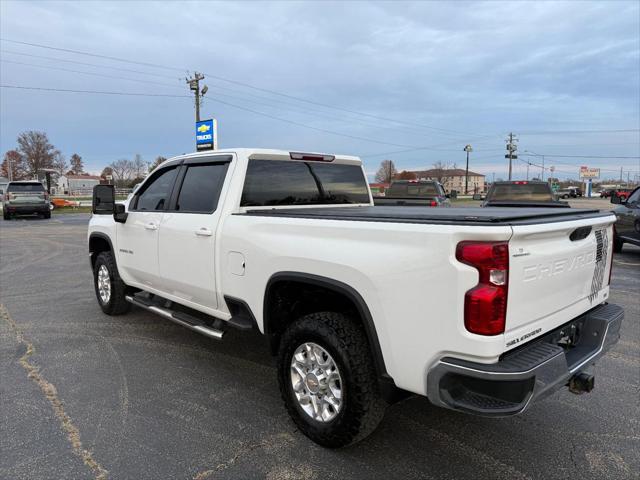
x=413 y=82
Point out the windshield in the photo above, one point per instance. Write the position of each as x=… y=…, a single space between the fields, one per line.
x=25 y=187
x=532 y=192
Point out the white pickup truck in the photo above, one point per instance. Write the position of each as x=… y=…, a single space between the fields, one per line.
x=482 y=310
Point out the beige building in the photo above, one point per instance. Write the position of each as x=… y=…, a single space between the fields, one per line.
x=453 y=179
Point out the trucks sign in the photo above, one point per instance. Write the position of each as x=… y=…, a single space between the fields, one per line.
x=207 y=135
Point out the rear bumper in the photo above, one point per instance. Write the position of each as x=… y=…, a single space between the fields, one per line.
x=35 y=208
x=528 y=373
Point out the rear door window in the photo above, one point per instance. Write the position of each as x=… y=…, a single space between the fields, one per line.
x=201 y=188
x=155 y=194
x=281 y=182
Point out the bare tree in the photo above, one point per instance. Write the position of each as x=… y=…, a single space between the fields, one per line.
x=442 y=172
x=77 y=165
x=139 y=166
x=36 y=150
x=13 y=162
x=60 y=163
x=156 y=163
x=122 y=171
x=386 y=172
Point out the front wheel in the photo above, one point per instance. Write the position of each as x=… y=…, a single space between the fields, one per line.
x=327 y=379
x=110 y=289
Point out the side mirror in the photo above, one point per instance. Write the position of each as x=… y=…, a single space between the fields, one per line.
x=616 y=199
x=104 y=200
x=120 y=213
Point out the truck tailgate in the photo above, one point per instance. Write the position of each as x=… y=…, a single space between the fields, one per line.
x=557 y=271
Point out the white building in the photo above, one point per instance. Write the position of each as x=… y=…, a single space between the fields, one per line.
x=454 y=179
x=76 y=184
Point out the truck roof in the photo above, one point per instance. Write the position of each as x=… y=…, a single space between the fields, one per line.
x=270 y=154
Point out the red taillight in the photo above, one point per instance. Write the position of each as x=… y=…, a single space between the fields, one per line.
x=521 y=183
x=485 y=305
x=433 y=203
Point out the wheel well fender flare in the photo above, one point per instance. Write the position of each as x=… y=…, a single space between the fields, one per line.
x=100 y=237
x=340 y=288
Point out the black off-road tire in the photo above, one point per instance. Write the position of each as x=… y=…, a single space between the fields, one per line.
x=6 y=215
x=46 y=215
x=117 y=305
x=363 y=407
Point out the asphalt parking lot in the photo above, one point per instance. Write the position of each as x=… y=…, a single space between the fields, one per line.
x=84 y=395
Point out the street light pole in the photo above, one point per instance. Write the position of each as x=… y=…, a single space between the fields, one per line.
x=467 y=149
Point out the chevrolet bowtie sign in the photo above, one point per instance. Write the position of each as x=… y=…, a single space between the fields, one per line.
x=207 y=135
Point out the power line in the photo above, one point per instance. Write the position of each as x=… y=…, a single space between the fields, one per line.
x=580 y=156
x=101 y=92
x=273 y=117
x=246 y=85
x=298 y=108
x=94 y=74
x=111 y=67
x=578 y=132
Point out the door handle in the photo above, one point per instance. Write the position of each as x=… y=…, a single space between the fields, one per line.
x=151 y=226
x=204 y=232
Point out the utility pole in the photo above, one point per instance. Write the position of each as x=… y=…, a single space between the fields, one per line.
x=467 y=149
x=512 y=147
x=620 y=176
x=194 y=85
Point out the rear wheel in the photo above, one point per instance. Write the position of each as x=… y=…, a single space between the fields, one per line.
x=46 y=214
x=6 y=215
x=327 y=379
x=110 y=289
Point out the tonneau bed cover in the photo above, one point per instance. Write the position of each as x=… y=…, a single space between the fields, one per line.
x=454 y=215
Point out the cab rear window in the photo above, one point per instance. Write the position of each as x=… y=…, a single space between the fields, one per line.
x=529 y=191
x=414 y=190
x=281 y=182
x=25 y=187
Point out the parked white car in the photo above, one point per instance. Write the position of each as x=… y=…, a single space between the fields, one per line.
x=481 y=310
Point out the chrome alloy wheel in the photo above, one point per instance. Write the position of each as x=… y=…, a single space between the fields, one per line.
x=104 y=284
x=316 y=382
